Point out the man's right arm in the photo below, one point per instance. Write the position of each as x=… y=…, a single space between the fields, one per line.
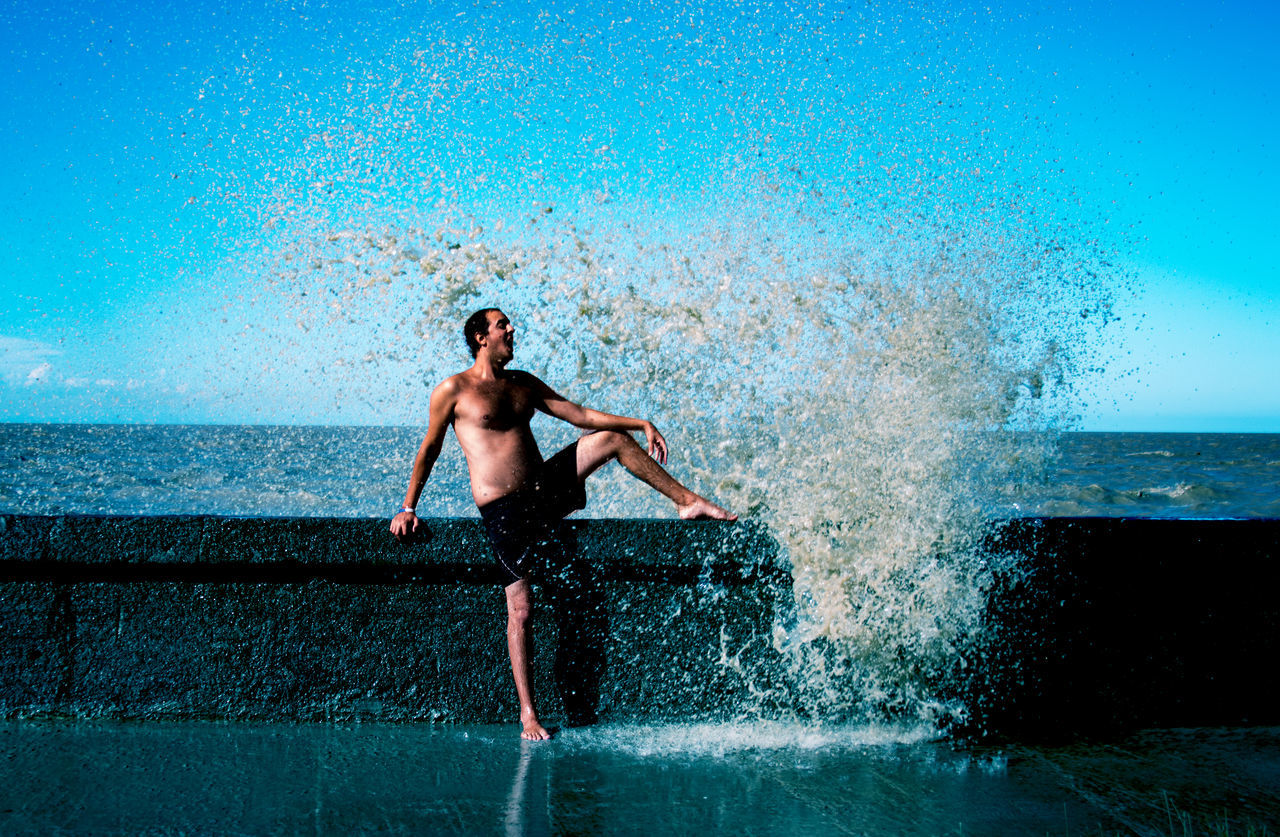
x=405 y=524
x=555 y=404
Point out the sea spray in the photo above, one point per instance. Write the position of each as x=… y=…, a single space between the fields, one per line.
x=839 y=261
x=866 y=399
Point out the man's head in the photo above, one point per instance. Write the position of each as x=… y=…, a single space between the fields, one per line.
x=487 y=327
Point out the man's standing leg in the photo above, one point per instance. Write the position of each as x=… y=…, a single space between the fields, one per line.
x=519 y=608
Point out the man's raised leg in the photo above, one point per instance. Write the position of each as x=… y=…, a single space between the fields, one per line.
x=519 y=608
x=598 y=448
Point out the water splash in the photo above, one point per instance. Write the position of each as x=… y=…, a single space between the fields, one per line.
x=720 y=740
x=815 y=261
x=857 y=398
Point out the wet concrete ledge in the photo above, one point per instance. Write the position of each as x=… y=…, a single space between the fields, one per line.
x=357 y=551
x=1104 y=625
x=332 y=619
x=1115 y=624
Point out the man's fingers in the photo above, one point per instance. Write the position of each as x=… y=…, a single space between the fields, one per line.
x=402 y=530
x=657 y=444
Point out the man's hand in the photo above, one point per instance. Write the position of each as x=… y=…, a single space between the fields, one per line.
x=405 y=526
x=657 y=444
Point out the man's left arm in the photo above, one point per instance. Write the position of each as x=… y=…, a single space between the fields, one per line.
x=554 y=404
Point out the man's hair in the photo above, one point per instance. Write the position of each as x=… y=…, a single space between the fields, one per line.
x=477 y=323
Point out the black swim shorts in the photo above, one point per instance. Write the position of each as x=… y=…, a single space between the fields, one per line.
x=521 y=525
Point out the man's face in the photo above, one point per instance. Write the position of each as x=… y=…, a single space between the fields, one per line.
x=500 y=338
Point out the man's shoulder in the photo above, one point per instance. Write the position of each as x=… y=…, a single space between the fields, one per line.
x=451 y=386
x=454 y=381
x=465 y=380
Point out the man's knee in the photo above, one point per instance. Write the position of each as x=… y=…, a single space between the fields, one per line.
x=518 y=604
x=613 y=440
x=518 y=614
x=599 y=446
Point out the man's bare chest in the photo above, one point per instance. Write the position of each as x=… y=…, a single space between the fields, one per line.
x=494 y=405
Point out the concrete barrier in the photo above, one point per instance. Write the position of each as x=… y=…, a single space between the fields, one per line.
x=1112 y=624
x=331 y=619
x=1097 y=625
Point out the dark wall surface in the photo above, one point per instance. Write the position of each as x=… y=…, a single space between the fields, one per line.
x=315 y=619
x=1094 y=625
x=1111 y=624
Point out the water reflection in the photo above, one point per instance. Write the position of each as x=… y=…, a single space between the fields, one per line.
x=516 y=822
x=97 y=777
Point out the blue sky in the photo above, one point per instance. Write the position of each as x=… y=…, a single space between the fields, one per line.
x=151 y=149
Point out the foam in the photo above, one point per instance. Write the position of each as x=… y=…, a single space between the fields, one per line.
x=721 y=739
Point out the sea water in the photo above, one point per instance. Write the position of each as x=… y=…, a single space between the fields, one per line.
x=270 y=471
x=894 y=776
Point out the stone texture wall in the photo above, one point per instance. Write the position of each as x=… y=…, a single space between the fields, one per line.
x=315 y=619
x=1113 y=624
x=1095 y=626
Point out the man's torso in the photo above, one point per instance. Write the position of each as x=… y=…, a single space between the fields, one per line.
x=491 y=419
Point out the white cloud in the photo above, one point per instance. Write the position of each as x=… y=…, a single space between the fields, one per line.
x=24 y=361
x=37 y=375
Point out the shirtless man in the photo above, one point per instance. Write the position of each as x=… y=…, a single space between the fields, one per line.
x=520 y=496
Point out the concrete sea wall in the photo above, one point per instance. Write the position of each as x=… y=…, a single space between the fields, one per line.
x=1106 y=624
x=332 y=619
x=1121 y=623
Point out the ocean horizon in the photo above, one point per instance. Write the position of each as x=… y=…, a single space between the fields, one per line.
x=361 y=471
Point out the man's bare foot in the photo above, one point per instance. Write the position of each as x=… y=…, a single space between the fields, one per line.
x=703 y=509
x=533 y=731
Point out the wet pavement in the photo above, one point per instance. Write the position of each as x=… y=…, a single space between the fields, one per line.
x=190 y=777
